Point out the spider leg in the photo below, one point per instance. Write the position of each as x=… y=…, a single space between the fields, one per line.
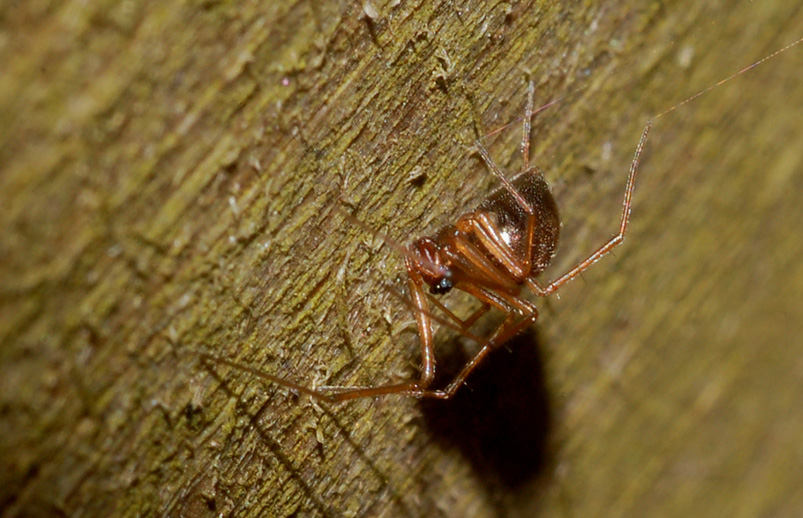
x=611 y=243
x=506 y=330
x=483 y=228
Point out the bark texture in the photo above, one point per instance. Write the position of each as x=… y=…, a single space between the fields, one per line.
x=170 y=175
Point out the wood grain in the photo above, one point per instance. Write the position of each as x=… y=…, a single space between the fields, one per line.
x=169 y=182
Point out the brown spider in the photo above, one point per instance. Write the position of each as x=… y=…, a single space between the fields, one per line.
x=491 y=253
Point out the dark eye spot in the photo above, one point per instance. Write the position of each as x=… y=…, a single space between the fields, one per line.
x=443 y=286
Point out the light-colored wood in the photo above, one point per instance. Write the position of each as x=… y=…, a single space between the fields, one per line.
x=169 y=181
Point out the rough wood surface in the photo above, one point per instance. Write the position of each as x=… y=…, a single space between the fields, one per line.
x=169 y=176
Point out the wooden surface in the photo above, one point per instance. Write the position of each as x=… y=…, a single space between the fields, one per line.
x=169 y=176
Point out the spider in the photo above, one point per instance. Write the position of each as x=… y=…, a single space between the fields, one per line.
x=491 y=253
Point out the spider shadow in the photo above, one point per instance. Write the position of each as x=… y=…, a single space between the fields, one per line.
x=501 y=419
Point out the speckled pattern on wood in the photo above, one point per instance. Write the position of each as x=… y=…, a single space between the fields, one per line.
x=169 y=174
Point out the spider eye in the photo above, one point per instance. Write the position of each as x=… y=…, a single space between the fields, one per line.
x=442 y=286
